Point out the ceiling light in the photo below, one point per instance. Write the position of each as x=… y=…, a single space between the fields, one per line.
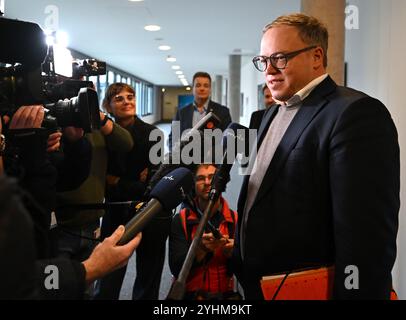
x=188 y=89
x=171 y=59
x=181 y=76
x=179 y=72
x=163 y=89
x=152 y=27
x=136 y=0
x=164 y=48
x=175 y=67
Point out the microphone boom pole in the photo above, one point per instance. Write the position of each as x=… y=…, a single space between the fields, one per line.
x=178 y=288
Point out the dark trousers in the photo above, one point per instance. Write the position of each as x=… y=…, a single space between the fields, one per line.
x=150 y=258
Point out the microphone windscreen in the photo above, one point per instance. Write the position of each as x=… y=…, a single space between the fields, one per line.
x=172 y=188
x=23 y=42
x=235 y=134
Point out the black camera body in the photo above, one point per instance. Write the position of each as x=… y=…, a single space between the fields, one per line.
x=29 y=78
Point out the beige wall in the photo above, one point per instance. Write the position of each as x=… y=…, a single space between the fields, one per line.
x=170 y=101
x=332 y=13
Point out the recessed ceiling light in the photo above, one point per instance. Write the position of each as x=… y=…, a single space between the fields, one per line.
x=136 y=0
x=171 y=59
x=179 y=72
x=181 y=76
x=175 y=67
x=163 y=89
x=164 y=48
x=188 y=89
x=152 y=27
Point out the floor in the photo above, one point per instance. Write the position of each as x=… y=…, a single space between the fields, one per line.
x=231 y=195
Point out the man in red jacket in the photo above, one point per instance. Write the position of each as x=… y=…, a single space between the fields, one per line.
x=210 y=277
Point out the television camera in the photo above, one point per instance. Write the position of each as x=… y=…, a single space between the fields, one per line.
x=28 y=77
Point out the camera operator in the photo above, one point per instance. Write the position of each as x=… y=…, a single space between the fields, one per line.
x=78 y=229
x=25 y=158
x=73 y=275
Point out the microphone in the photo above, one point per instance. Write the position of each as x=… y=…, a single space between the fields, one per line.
x=209 y=121
x=166 y=195
x=233 y=138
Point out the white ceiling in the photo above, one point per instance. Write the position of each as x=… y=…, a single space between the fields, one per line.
x=202 y=34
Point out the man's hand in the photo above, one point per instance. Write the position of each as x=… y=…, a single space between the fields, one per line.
x=210 y=243
x=73 y=134
x=54 y=142
x=228 y=247
x=28 y=117
x=107 y=256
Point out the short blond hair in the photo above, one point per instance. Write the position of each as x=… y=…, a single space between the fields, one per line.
x=311 y=30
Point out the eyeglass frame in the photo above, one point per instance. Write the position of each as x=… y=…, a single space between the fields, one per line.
x=122 y=98
x=286 y=56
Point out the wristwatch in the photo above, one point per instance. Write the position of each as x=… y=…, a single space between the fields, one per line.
x=2 y=144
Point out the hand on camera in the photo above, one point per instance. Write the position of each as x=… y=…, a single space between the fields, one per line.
x=54 y=142
x=73 y=134
x=210 y=243
x=27 y=117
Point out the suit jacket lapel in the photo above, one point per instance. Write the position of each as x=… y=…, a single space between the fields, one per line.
x=311 y=106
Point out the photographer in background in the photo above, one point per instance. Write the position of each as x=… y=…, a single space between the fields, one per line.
x=210 y=277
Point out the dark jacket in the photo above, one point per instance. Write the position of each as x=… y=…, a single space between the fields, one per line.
x=128 y=167
x=185 y=116
x=330 y=195
x=256 y=119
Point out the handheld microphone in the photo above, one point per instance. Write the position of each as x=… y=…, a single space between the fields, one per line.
x=234 y=137
x=209 y=121
x=166 y=195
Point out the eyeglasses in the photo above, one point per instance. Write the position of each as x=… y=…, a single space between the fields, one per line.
x=278 y=60
x=121 y=99
x=202 y=179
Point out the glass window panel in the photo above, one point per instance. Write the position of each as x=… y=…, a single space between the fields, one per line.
x=111 y=77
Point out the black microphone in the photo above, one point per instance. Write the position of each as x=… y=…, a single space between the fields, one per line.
x=166 y=195
x=235 y=136
x=209 y=121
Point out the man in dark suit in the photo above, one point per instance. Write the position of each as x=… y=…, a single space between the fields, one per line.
x=256 y=116
x=191 y=114
x=324 y=189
